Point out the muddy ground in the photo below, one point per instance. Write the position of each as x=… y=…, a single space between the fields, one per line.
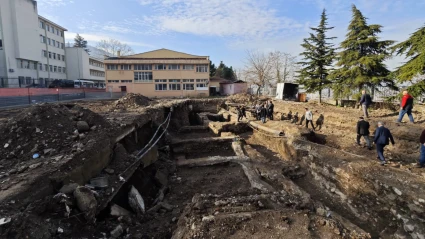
x=288 y=197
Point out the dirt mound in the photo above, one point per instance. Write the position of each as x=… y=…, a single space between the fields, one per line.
x=244 y=98
x=131 y=100
x=45 y=131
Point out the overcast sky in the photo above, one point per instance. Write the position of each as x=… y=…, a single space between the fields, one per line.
x=225 y=29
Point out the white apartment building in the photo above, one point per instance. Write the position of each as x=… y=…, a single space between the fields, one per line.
x=82 y=66
x=32 y=48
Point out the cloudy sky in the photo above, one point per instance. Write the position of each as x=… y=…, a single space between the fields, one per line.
x=225 y=29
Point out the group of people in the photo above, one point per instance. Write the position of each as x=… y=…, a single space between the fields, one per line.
x=382 y=136
x=264 y=111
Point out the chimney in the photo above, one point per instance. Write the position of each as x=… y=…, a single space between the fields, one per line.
x=118 y=53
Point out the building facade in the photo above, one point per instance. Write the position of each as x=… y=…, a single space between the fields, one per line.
x=82 y=66
x=32 y=48
x=159 y=73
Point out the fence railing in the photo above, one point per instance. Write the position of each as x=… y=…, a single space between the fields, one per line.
x=26 y=96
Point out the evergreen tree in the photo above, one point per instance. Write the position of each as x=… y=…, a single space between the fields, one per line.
x=414 y=49
x=361 y=62
x=317 y=58
x=80 y=42
x=224 y=72
x=212 y=69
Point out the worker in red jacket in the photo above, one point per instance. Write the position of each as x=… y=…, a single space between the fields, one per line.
x=421 y=163
x=406 y=107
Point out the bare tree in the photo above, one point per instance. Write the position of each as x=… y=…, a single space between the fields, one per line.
x=112 y=46
x=285 y=66
x=259 y=69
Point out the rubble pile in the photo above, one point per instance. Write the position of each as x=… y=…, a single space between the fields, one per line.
x=247 y=99
x=131 y=101
x=45 y=131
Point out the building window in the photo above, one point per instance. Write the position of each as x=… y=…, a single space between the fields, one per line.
x=188 y=67
x=57 y=32
x=143 y=67
x=62 y=45
x=201 y=80
x=1 y=44
x=188 y=80
x=50 y=68
x=173 y=67
x=126 y=81
x=202 y=68
x=35 y=64
x=161 y=81
x=43 y=53
x=48 y=28
x=61 y=33
x=48 y=41
x=42 y=24
x=160 y=67
x=174 y=86
x=59 y=69
x=53 y=42
x=125 y=67
x=188 y=87
x=142 y=76
x=112 y=67
x=174 y=80
x=50 y=55
x=42 y=39
x=201 y=85
x=21 y=79
x=63 y=69
x=55 y=69
x=28 y=80
x=46 y=67
x=160 y=86
x=27 y=64
x=63 y=57
x=40 y=66
x=54 y=56
x=113 y=81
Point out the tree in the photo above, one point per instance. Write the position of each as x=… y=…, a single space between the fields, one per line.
x=317 y=58
x=259 y=68
x=225 y=72
x=212 y=69
x=361 y=63
x=414 y=69
x=112 y=46
x=80 y=42
x=284 y=65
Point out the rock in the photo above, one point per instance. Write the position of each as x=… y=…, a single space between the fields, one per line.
x=93 y=128
x=6 y=145
x=415 y=208
x=13 y=171
x=397 y=191
x=208 y=218
x=33 y=166
x=60 y=230
x=82 y=126
x=409 y=227
x=37 y=130
x=117 y=232
x=69 y=188
x=22 y=169
x=109 y=170
x=46 y=151
x=162 y=178
x=321 y=211
x=174 y=219
x=81 y=136
x=421 y=200
x=119 y=211
x=86 y=202
x=136 y=201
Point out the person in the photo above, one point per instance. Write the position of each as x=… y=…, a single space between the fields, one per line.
x=421 y=163
x=363 y=130
x=365 y=102
x=289 y=117
x=270 y=110
x=263 y=113
x=406 y=107
x=382 y=138
x=243 y=111
x=257 y=111
x=320 y=121
x=295 y=119
x=238 y=109
x=308 y=118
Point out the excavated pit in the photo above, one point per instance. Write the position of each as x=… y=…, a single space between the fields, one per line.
x=212 y=177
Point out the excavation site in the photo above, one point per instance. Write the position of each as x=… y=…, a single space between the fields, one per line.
x=148 y=168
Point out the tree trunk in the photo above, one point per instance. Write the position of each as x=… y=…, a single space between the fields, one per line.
x=258 y=90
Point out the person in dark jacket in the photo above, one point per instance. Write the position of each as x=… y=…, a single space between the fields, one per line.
x=421 y=163
x=270 y=110
x=363 y=130
x=263 y=113
x=382 y=138
x=406 y=107
x=240 y=115
x=320 y=121
x=243 y=111
x=365 y=102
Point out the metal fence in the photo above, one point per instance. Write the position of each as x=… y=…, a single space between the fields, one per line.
x=26 y=96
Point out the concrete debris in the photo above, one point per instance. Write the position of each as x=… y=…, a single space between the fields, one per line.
x=397 y=191
x=86 y=202
x=60 y=230
x=99 y=182
x=118 y=211
x=136 y=201
x=33 y=166
x=109 y=171
x=69 y=188
x=117 y=232
x=208 y=218
x=46 y=151
x=409 y=227
x=6 y=145
x=81 y=136
x=5 y=220
x=37 y=130
x=82 y=126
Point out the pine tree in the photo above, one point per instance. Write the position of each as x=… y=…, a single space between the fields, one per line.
x=361 y=62
x=212 y=69
x=317 y=58
x=80 y=42
x=413 y=49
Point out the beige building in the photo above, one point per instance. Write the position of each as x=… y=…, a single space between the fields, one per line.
x=159 y=73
